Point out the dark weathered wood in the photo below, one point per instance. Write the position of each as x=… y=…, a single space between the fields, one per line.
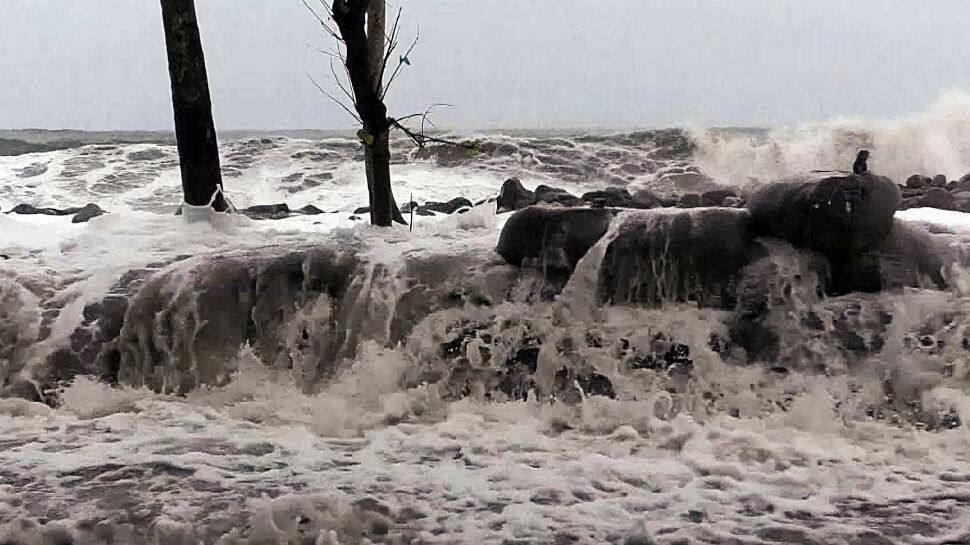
x=364 y=57
x=194 y=129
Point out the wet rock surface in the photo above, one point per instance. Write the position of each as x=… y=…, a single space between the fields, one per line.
x=30 y=209
x=837 y=216
x=920 y=191
x=552 y=239
x=87 y=213
x=664 y=256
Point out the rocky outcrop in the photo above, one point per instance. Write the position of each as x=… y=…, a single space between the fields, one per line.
x=676 y=256
x=303 y=310
x=513 y=196
x=552 y=239
x=838 y=216
x=908 y=257
x=924 y=192
x=618 y=197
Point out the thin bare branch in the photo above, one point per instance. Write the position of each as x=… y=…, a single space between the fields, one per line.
x=336 y=55
x=421 y=139
x=424 y=118
x=347 y=93
x=333 y=98
x=400 y=63
x=321 y=20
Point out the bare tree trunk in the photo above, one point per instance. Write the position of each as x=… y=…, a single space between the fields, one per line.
x=378 y=155
x=194 y=129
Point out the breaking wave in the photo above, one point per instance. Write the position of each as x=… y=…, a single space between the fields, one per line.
x=931 y=142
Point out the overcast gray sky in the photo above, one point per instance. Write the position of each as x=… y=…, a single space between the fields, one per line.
x=100 y=64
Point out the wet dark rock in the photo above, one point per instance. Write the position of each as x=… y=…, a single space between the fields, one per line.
x=29 y=209
x=716 y=197
x=449 y=207
x=361 y=210
x=513 y=196
x=733 y=202
x=556 y=195
x=908 y=257
x=354 y=218
x=936 y=197
x=310 y=210
x=672 y=255
x=87 y=213
x=552 y=239
x=963 y=182
x=647 y=198
x=938 y=181
x=267 y=211
x=422 y=211
x=408 y=206
x=618 y=197
x=917 y=181
x=238 y=300
x=839 y=216
x=689 y=200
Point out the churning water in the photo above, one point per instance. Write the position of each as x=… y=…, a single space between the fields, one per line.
x=312 y=380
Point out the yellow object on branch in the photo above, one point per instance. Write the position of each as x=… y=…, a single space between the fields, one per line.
x=365 y=137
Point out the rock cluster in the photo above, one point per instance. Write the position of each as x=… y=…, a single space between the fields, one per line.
x=80 y=214
x=921 y=191
x=838 y=234
x=514 y=196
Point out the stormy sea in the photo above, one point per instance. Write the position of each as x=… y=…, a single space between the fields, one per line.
x=675 y=336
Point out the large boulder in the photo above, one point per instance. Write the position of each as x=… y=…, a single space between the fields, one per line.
x=908 y=257
x=839 y=216
x=917 y=181
x=513 y=196
x=552 y=239
x=305 y=310
x=662 y=256
x=936 y=197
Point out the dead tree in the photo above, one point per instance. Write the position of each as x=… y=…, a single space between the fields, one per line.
x=366 y=50
x=194 y=130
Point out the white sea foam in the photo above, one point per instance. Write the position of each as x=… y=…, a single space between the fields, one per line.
x=930 y=142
